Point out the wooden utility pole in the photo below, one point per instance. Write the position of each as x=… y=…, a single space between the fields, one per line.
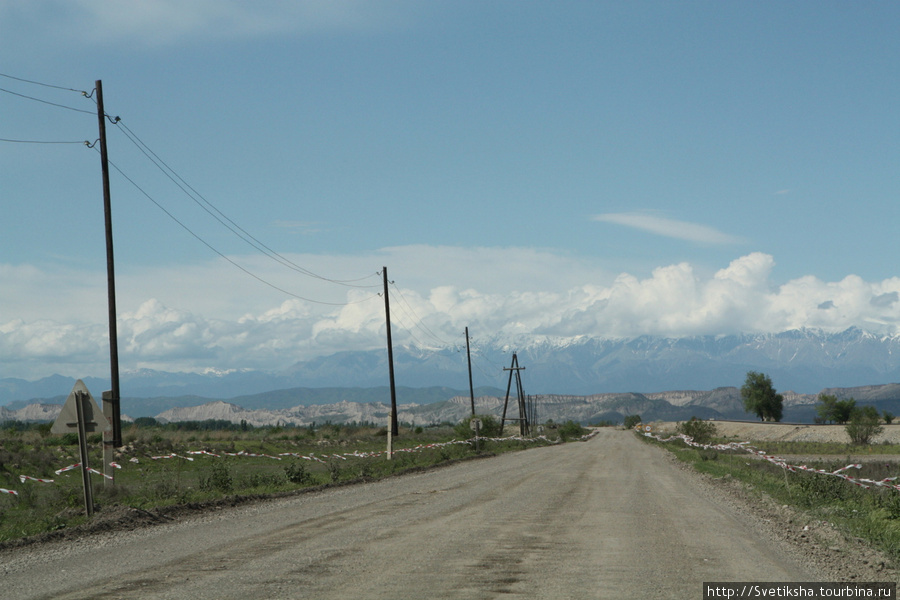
x=387 y=315
x=469 y=358
x=110 y=276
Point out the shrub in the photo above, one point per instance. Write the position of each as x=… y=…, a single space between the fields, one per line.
x=219 y=478
x=864 y=425
x=570 y=430
x=296 y=473
x=490 y=427
x=702 y=432
x=631 y=421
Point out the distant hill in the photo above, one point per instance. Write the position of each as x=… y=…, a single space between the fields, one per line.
x=356 y=405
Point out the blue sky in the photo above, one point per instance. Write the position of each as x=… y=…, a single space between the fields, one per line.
x=522 y=168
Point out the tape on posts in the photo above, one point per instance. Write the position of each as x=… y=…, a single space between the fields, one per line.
x=780 y=462
x=311 y=457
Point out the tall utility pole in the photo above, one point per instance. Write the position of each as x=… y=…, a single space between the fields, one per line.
x=110 y=275
x=469 y=358
x=515 y=370
x=390 y=345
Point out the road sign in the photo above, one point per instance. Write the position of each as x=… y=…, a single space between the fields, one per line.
x=475 y=424
x=67 y=421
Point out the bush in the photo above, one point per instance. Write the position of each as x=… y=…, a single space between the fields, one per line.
x=631 y=421
x=570 y=430
x=702 y=432
x=490 y=427
x=296 y=473
x=219 y=479
x=864 y=425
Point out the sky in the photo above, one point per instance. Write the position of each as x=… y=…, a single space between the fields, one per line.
x=524 y=169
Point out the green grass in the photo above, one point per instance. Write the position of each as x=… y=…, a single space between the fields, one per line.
x=872 y=514
x=150 y=484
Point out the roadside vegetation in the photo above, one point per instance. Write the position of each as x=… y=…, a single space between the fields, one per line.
x=872 y=514
x=194 y=463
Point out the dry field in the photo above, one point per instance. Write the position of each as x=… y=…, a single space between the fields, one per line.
x=785 y=432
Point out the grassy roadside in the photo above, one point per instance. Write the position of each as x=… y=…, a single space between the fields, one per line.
x=255 y=462
x=871 y=514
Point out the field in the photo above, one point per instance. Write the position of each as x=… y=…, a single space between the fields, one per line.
x=784 y=432
x=170 y=468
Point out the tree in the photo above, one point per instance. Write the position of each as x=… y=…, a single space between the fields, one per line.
x=843 y=410
x=864 y=424
x=760 y=397
x=825 y=409
x=632 y=421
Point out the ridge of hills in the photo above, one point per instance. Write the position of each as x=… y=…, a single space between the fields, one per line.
x=287 y=407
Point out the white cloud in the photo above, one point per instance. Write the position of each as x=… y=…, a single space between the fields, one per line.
x=206 y=316
x=682 y=230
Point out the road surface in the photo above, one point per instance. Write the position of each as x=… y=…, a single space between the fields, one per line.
x=608 y=518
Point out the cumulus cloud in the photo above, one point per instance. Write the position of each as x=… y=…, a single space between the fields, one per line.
x=206 y=318
x=682 y=230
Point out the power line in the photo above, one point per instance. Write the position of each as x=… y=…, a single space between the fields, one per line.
x=418 y=320
x=58 y=87
x=208 y=245
x=39 y=142
x=46 y=101
x=221 y=217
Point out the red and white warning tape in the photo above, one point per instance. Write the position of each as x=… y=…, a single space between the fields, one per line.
x=780 y=462
x=171 y=456
x=24 y=478
x=311 y=457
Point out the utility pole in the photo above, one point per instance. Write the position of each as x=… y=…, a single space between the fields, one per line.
x=515 y=369
x=387 y=314
x=110 y=277
x=469 y=358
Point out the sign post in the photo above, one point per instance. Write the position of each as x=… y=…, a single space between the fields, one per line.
x=81 y=414
x=109 y=440
x=390 y=436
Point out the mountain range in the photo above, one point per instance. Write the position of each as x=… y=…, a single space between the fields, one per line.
x=720 y=403
x=802 y=361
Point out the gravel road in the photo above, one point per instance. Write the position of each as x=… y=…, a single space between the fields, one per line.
x=608 y=518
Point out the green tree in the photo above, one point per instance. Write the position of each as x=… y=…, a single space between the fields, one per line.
x=843 y=410
x=826 y=406
x=864 y=424
x=760 y=397
x=888 y=417
x=631 y=421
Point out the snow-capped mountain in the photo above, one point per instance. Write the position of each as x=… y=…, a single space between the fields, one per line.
x=803 y=361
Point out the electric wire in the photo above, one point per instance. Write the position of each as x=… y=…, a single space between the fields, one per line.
x=222 y=218
x=418 y=320
x=46 y=102
x=49 y=85
x=40 y=141
x=398 y=322
x=234 y=263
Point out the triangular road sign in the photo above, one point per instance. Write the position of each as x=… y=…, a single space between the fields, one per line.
x=67 y=421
